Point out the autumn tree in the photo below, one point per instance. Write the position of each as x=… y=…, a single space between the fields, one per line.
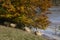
x=27 y=12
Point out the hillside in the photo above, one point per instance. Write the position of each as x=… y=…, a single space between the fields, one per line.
x=7 y=33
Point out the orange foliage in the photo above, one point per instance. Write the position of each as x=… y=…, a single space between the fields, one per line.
x=25 y=11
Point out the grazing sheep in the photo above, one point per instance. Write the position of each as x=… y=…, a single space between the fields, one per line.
x=38 y=33
x=27 y=29
x=7 y=24
x=12 y=25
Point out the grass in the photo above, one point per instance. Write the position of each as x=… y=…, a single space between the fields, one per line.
x=7 y=33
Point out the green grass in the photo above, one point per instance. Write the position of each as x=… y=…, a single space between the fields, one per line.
x=7 y=33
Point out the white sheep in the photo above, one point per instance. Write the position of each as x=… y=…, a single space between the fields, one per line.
x=38 y=33
x=27 y=29
x=12 y=25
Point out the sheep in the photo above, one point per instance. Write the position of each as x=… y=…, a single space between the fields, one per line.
x=12 y=25
x=38 y=33
x=6 y=24
x=27 y=29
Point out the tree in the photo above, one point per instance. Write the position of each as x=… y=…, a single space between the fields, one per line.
x=26 y=12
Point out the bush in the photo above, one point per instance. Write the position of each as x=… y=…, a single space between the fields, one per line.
x=25 y=12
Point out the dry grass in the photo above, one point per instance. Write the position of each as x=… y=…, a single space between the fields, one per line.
x=7 y=33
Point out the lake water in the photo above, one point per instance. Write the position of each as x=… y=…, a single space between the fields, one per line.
x=54 y=26
x=52 y=31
